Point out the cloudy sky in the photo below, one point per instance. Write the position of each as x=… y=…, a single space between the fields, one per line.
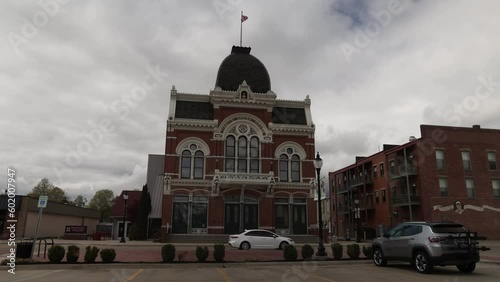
x=71 y=111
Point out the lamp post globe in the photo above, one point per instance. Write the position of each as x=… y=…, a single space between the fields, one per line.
x=125 y=197
x=321 y=254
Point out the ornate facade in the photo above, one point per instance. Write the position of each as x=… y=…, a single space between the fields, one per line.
x=239 y=158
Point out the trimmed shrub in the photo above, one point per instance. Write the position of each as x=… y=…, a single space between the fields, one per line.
x=108 y=255
x=290 y=253
x=353 y=251
x=337 y=250
x=168 y=253
x=219 y=252
x=368 y=251
x=307 y=251
x=90 y=254
x=56 y=253
x=19 y=261
x=72 y=254
x=201 y=253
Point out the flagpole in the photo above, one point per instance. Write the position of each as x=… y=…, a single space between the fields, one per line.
x=241 y=26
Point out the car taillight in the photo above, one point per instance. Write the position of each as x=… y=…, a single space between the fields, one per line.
x=437 y=239
x=233 y=237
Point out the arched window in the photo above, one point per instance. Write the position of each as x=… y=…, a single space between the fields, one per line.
x=283 y=167
x=242 y=154
x=289 y=166
x=254 y=155
x=192 y=163
x=230 y=154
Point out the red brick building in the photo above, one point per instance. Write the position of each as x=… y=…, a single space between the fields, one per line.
x=449 y=174
x=239 y=158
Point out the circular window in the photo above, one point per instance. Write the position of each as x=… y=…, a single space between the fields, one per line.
x=193 y=147
x=289 y=151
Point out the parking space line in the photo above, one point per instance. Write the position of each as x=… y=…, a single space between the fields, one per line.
x=314 y=275
x=36 y=276
x=223 y=274
x=133 y=276
x=413 y=275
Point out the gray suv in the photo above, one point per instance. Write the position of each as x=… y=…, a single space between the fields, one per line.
x=425 y=244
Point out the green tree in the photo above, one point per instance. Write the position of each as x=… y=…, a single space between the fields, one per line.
x=103 y=201
x=42 y=188
x=80 y=200
x=58 y=195
x=45 y=187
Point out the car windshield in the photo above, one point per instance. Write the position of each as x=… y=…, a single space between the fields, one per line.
x=448 y=228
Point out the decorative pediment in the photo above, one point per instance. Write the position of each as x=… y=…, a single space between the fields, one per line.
x=244 y=93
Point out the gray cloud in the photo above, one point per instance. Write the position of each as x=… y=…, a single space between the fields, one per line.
x=64 y=79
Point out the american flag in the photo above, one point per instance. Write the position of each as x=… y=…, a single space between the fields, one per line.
x=243 y=18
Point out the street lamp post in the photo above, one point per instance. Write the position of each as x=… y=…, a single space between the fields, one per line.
x=357 y=217
x=125 y=197
x=321 y=254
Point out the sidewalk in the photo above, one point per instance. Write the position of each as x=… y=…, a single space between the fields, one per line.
x=147 y=251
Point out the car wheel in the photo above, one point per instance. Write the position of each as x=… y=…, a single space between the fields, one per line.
x=467 y=268
x=283 y=245
x=378 y=257
x=422 y=262
x=245 y=246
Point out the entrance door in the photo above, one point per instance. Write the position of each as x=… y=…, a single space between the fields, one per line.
x=232 y=219
x=250 y=216
x=299 y=219
x=180 y=222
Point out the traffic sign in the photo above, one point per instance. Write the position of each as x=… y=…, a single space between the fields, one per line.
x=42 y=201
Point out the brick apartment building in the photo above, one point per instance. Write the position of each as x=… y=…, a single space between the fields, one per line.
x=239 y=158
x=449 y=174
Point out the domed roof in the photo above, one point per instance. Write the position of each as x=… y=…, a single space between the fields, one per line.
x=240 y=66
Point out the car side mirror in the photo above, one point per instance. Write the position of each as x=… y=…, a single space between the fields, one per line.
x=275 y=236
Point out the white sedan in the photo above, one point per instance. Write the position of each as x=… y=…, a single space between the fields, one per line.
x=259 y=239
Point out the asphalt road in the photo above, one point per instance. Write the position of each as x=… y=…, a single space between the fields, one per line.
x=285 y=272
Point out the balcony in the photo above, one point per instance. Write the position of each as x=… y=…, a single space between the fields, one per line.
x=412 y=170
x=342 y=189
x=402 y=200
x=342 y=209
x=359 y=181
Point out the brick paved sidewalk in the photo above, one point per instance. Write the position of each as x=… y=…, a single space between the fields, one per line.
x=153 y=254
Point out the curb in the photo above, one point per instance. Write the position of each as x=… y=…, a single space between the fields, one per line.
x=148 y=265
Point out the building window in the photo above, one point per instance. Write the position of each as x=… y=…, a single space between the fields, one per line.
x=374 y=171
x=466 y=160
x=495 y=183
x=440 y=159
x=192 y=163
x=443 y=187
x=376 y=197
x=289 y=166
x=384 y=198
x=189 y=213
x=469 y=184
x=492 y=160
x=282 y=213
x=199 y=214
x=381 y=169
x=245 y=158
x=392 y=167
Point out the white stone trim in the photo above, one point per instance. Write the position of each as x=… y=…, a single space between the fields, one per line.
x=281 y=149
x=184 y=145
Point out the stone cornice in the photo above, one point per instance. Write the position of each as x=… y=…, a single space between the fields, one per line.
x=192 y=123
